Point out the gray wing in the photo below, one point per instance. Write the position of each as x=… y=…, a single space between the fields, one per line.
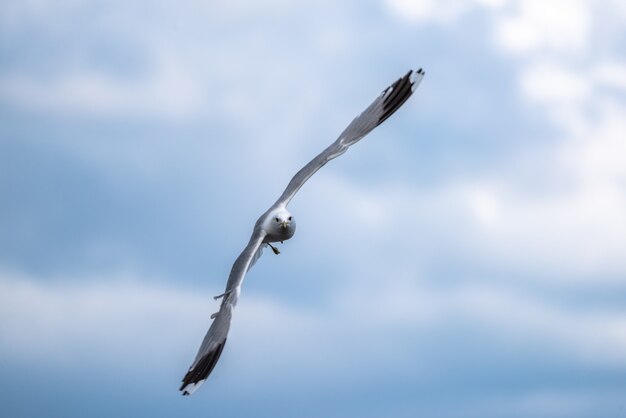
x=390 y=100
x=215 y=338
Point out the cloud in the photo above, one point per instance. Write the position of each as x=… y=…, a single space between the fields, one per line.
x=575 y=236
x=551 y=84
x=488 y=274
x=130 y=324
x=445 y=12
x=596 y=154
x=116 y=322
x=170 y=92
x=611 y=74
x=560 y=25
x=402 y=335
x=184 y=72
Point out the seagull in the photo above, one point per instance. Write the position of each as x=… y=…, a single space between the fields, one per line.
x=277 y=224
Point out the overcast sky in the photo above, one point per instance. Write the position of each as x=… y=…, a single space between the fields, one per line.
x=467 y=259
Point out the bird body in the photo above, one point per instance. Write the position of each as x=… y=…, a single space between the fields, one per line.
x=277 y=224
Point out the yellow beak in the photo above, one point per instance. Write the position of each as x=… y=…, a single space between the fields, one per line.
x=284 y=224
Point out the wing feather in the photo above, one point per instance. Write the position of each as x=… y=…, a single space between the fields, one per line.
x=215 y=338
x=386 y=104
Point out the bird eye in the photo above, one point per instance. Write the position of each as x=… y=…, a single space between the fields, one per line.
x=277 y=220
x=290 y=218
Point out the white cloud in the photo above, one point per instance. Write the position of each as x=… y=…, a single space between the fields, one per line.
x=611 y=74
x=564 y=94
x=188 y=70
x=572 y=233
x=117 y=321
x=485 y=204
x=575 y=235
x=581 y=227
x=424 y=10
x=551 y=84
x=446 y=11
x=562 y=25
x=130 y=325
x=170 y=91
x=15 y=13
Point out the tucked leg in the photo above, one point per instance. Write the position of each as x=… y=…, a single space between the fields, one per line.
x=274 y=249
x=222 y=295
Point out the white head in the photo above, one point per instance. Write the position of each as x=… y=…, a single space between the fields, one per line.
x=283 y=218
x=282 y=223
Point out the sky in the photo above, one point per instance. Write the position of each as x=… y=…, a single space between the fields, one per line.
x=466 y=259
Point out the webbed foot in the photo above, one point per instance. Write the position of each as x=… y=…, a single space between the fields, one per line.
x=274 y=249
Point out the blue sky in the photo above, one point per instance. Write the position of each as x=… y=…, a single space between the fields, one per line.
x=467 y=259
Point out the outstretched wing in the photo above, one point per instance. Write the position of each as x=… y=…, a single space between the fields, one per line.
x=215 y=338
x=384 y=106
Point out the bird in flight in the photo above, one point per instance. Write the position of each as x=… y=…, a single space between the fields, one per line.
x=278 y=224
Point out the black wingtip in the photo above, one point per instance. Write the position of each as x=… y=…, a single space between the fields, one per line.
x=398 y=93
x=202 y=369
